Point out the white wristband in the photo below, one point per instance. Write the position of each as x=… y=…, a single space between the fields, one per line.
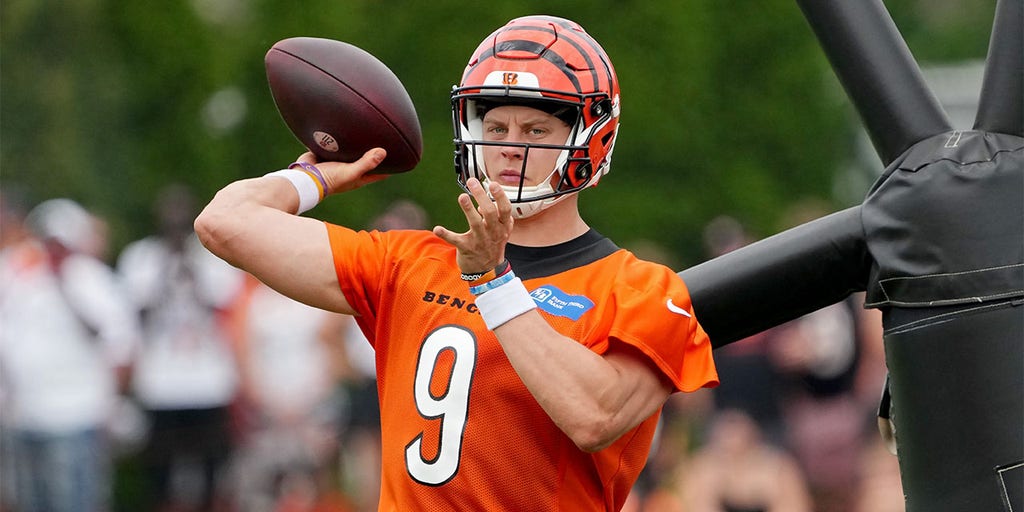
x=305 y=185
x=501 y=304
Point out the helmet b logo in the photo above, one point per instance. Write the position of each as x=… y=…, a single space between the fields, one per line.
x=510 y=79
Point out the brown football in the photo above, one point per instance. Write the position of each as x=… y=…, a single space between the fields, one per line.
x=340 y=101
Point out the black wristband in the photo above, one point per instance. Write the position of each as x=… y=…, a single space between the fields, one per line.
x=473 y=277
x=502 y=268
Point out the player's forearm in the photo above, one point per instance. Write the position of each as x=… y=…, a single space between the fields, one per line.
x=590 y=399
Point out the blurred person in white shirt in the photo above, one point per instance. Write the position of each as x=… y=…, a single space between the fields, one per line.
x=290 y=448
x=186 y=376
x=67 y=337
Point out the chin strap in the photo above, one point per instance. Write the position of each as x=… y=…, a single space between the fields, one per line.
x=531 y=208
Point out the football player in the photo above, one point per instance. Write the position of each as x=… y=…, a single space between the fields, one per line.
x=522 y=364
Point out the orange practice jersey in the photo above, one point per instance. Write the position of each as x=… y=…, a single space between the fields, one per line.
x=460 y=430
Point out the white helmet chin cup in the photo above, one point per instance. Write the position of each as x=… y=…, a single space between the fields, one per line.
x=524 y=207
x=530 y=208
x=524 y=210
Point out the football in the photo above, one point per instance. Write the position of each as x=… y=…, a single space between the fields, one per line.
x=340 y=101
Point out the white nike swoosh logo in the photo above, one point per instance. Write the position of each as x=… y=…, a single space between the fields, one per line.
x=676 y=309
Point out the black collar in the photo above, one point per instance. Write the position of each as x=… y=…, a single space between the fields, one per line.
x=534 y=262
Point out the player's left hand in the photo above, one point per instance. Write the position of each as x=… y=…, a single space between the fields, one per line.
x=489 y=214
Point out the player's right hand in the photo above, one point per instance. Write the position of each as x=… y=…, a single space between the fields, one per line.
x=343 y=177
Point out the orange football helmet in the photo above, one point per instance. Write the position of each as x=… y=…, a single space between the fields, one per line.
x=551 y=64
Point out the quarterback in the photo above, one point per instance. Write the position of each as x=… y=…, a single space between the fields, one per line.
x=523 y=363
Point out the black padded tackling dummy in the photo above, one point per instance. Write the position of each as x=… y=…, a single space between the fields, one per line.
x=945 y=227
x=956 y=395
x=780 y=278
x=939 y=246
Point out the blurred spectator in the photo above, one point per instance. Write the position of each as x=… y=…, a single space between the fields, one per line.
x=285 y=460
x=738 y=471
x=880 y=488
x=818 y=356
x=67 y=337
x=651 y=250
x=749 y=381
x=14 y=206
x=186 y=376
x=811 y=387
x=872 y=371
x=99 y=244
x=400 y=214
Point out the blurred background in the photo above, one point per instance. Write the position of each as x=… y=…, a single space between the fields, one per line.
x=728 y=107
x=733 y=128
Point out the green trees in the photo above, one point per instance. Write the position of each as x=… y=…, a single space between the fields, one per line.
x=728 y=107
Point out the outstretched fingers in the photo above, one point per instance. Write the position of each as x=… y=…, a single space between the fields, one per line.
x=503 y=204
x=493 y=208
x=488 y=213
x=486 y=210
